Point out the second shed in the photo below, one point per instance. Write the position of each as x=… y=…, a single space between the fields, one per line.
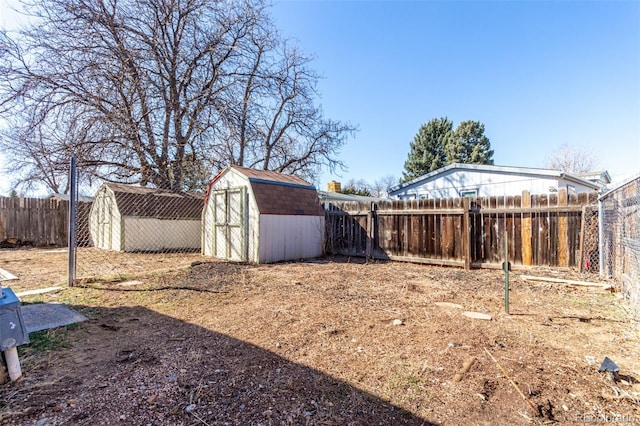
x=133 y=218
x=261 y=216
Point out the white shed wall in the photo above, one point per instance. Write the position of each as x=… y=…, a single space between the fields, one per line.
x=231 y=180
x=151 y=234
x=290 y=237
x=452 y=183
x=105 y=225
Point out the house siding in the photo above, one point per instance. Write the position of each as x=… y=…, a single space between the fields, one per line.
x=453 y=183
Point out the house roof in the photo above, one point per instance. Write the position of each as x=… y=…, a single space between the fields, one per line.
x=278 y=193
x=620 y=184
x=338 y=196
x=600 y=176
x=501 y=169
x=139 y=201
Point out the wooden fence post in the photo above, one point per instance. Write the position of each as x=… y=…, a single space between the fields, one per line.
x=3 y=218
x=466 y=232
x=371 y=217
x=526 y=229
x=563 y=229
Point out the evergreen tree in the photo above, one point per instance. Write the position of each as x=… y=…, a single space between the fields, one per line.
x=428 y=148
x=437 y=145
x=469 y=145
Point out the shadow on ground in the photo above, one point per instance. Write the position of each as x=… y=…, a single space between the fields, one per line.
x=136 y=366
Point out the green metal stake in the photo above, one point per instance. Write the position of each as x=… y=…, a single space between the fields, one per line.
x=506 y=273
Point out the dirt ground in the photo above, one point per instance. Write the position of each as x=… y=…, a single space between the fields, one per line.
x=40 y=268
x=332 y=341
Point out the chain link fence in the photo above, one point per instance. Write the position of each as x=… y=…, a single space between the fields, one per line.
x=620 y=244
x=589 y=240
x=127 y=232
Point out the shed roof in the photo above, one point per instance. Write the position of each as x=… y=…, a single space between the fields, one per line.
x=278 y=193
x=66 y=197
x=139 y=201
x=272 y=177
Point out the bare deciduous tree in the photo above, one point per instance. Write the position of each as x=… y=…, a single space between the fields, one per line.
x=159 y=92
x=380 y=188
x=357 y=187
x=572 y=159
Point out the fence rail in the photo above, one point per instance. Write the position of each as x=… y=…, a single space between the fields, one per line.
x=537 y=229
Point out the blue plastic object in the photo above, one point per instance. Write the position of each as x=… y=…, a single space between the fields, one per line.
x=608 y=365
x=12 y=329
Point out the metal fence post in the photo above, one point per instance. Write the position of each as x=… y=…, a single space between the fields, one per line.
x=73 y=209
x=601 y=236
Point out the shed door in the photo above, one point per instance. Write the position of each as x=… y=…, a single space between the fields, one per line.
x=229 y=224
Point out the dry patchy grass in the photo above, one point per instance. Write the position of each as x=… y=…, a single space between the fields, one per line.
x=315 y=343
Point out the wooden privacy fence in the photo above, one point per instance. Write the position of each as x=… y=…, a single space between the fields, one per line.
x=469 y=232
x=38 y=221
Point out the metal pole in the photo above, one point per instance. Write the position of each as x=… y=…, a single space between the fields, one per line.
x=73 y=207
x=601 y=236
x=506 y=272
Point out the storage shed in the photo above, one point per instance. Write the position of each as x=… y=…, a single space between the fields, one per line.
x=261 y=216
x=133 y=218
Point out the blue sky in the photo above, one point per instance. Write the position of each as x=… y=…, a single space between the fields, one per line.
x=538 y=74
